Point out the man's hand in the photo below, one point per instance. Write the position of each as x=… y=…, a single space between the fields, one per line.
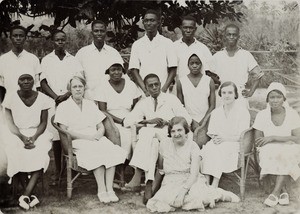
x=62 y=98
x=158 y=121
x=194 y=125
x=261 y=141
x=217 y=139
x=247 y=93
x=164 y=89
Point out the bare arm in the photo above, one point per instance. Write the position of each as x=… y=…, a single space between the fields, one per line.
x=42 y=126
x=138 y=80
x=257 y=74
x=211 y=102
x=103 y=107
x=12 y=126
x=171 y=75
x=46 y=88
x=179 y=92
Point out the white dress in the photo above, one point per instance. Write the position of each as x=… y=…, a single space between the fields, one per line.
x=90 y=154
x=27 y=120
x=119 y=105
x=279 y=158
x=196 y=98
x=223 y=157
x=176 y=165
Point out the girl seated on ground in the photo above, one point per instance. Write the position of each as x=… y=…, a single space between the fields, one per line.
x=196 y=91
x=27 y=143
x=277 y=136
x=227 y=122
x=182 y=185
x=82 y=119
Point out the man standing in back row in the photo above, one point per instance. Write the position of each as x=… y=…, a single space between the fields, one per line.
x=236 y=64
x=94 y=58
x=153 y=53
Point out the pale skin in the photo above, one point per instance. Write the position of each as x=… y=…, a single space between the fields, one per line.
x=151 y=23
x=195 y=76
x=276 y=100
x=104 y=177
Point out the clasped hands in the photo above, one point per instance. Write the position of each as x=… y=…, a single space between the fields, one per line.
x=216 y=139
x=160 y=123
x=28 y=142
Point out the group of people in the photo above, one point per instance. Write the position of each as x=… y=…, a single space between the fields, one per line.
x=82 y=91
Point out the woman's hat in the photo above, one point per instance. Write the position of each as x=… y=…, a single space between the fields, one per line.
x=115 y=61
x=276 y=86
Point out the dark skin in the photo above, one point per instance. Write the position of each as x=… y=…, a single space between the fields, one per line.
x=118 y=83
x=18 y=38
x=151 y=23
x=188 y=29
x=99 y=35
x=59 y=41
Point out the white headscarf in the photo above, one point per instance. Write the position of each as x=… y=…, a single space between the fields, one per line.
x=279 y=87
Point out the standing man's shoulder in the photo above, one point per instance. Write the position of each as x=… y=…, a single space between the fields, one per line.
x=84 y=49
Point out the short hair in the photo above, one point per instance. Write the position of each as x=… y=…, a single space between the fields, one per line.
x=155 y=12
x=192 y=56
x=189 y=18
x=150 y=76
x=56 y=32
x=228 y=83
x=123 y=69
x=178 y=120
x=231 y=25
x=80 y=79
x=98 y=22
x=20 y=27
x=277 y=91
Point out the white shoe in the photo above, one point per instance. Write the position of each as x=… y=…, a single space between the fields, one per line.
x=34 y=201
x=103 y=197
x=284 y=199
x=112 y=196
x=24 y=202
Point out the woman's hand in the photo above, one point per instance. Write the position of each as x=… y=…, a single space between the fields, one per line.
x=179 y=199
x=217 y=139
x=28 y=142
x=194 y=125
x=98 y=136
x=261 y=141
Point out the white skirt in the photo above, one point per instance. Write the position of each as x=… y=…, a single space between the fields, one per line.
x=219 y=158
x=20 y=159
x=93 y=154
x=280 y=159
x=126 y=144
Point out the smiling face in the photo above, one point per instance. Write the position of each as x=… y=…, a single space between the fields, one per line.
x=275 y=99
x=231 y=36
x=153 y=86
x=178 y=134
x=228 y=94
x=151 y=23
x=99 y=32
x=59 y=40
x=18 y=37
x=188 y=29
x=77 y=89
x=195 y=64
x=115 y=72
x=26 y=82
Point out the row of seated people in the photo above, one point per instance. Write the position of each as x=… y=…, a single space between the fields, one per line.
x=277 y=135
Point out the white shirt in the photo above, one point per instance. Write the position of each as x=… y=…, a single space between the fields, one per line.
x=59 y=72
x=183 y=52
x=168 y=106
x=235 y=68
x=95 y=63
x=154 y=56
x=13 y=66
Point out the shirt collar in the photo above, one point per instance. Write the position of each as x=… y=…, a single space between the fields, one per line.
x=181 y=40
x=20 y=55
x=95 y=48
x=156 y=37
x=52 y=54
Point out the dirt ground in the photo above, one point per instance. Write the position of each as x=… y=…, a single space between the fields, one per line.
x=84 y=199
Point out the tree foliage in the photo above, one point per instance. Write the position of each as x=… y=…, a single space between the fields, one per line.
x=123 y=15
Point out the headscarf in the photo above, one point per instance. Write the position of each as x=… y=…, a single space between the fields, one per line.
x=114 y=61
x=202 y=59
x=279 y=87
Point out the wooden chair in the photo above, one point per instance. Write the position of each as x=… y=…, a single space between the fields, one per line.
x=247 y=155
x=111 y=132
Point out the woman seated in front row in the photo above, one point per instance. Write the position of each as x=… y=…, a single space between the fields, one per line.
x=27 y=143
x=227 y=122
x=82 y=119
x=277 y=136
x=183 y=186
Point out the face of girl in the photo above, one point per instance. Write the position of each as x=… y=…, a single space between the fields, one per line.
x=115 y=72
x=228 y=95
x=178 y=134
x=195 y=65
x=77 y=89
x=275 y=99
x=26 y=82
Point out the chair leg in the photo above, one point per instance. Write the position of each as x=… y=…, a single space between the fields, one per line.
x=69 y=182
x=62 y=170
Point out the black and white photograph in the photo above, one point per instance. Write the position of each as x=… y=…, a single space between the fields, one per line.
x=149 y=106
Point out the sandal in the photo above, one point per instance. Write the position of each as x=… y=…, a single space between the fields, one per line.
x=271 y=200
x=284 y=199
x=24 y=202
x=34 y=201
x=103 y=197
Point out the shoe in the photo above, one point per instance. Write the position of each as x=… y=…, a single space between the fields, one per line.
x=131 y=188
x=103 y=197
x=284 y=199
x=24 y=202
x=34 y=201
x=271 y=200
x=112 y=196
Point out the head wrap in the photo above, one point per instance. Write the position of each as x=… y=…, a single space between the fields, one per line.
x=114 y=60
x=276 y=86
